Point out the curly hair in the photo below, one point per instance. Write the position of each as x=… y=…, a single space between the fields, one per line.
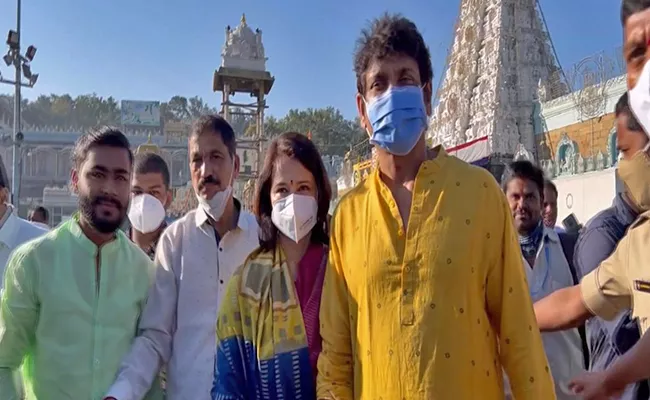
x=389 y=35
x=630 y=7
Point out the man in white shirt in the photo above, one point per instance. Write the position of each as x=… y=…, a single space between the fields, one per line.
x=14 y=230
x=547 y=267
x=195 y=258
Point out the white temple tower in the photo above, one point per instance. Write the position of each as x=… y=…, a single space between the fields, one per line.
x=243 y=71
x=499 y=66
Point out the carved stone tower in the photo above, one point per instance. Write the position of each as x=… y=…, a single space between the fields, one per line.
x=500 y=64
x=243 y=70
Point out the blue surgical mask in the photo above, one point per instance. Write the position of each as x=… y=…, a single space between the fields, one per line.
x=398 y=119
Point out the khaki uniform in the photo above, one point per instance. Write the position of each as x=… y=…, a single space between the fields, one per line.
x=623 y=280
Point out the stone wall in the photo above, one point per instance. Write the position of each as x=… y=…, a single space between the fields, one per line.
x=585 y=194
x=591 y=136
x=562 y=122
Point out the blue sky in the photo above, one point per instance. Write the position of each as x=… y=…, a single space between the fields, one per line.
x=152 y=50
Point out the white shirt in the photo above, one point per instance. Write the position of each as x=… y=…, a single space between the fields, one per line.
x=564 y=348
x=177 y=326
x=14 y=232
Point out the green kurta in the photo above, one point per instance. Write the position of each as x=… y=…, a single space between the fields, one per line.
x=70 y=325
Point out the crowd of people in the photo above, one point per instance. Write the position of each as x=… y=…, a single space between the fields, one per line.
x=430 y=281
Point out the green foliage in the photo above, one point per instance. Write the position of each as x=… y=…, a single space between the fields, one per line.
x=330 y=131
x=90 y=110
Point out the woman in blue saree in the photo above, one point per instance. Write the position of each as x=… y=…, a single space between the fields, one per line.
x=268 y=327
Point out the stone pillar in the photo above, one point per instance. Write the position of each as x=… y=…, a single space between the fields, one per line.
x=225 y=102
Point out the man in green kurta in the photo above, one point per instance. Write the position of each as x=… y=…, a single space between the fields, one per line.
x=72 y=298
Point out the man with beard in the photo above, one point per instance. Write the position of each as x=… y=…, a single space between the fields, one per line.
x=622 y=281
x=73 y=297
x=195 y=258
x=547 y=267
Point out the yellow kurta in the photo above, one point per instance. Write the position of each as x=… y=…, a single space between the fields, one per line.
x=421 y=313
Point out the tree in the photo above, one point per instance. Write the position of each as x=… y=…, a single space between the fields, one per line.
x=178 y=108
x=330 y=131
x=6 y=107
x=38 y=112
x=90 y=110
x=241 y=123
x=198 y=108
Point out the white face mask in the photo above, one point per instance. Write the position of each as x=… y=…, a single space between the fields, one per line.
x=146 y=213
x=217 y=204
x=640 y=98
x=295 y=215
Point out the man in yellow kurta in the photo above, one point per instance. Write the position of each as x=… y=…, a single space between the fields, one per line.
x=425 y=295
